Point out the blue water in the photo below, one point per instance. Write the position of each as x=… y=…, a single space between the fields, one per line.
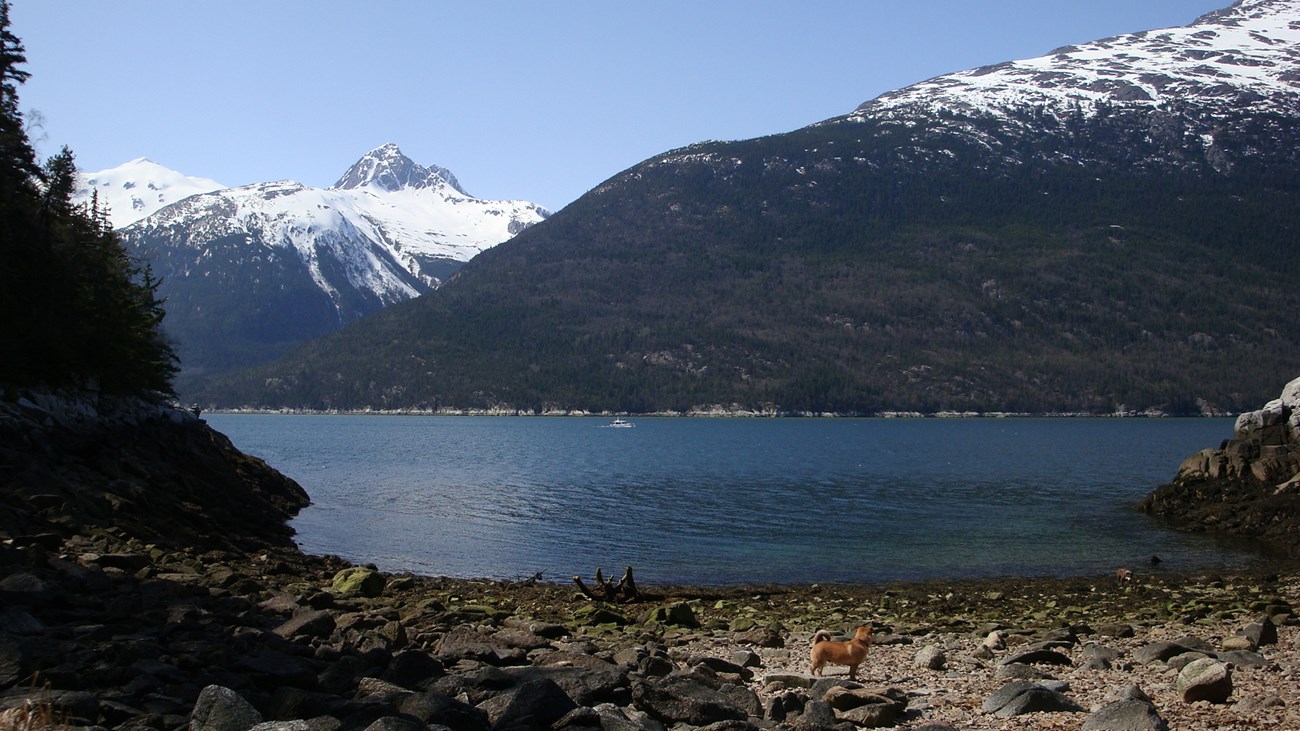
x=725 y=501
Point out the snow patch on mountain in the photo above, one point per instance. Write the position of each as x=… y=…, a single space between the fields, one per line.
x=384 y=228
x=1246 y=56
x=137 y=189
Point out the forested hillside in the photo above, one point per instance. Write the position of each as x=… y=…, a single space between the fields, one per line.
x=1110 y=228
x=791 y=281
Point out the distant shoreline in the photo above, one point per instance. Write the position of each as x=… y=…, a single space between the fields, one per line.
x=720 y=414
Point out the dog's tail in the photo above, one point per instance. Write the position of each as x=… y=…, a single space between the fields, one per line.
x=821 y=636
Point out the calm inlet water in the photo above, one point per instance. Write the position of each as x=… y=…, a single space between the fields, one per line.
x=719 y=501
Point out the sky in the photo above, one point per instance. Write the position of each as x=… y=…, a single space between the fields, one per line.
x=540 y=101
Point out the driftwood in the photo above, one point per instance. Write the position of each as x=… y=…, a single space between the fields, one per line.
x=621 y=592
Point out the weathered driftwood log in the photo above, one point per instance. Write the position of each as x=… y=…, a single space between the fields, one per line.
x=621 y=592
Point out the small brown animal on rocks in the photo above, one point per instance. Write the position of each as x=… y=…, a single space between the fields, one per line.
x=851 y=653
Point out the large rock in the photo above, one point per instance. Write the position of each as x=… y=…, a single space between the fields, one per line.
x=1250 y=485
x=1206 y=679
x=1161 y=652
x=868 y=707
x=1038 y=657
x=222 y=709
x=311 y=623
x=435 y=709
x=1126 y=715
x=533 y=705
x=1020 y=697
x=1261 y=632
x=678 y=699
x=358 y=581
x=932 y=657
x=678 y=614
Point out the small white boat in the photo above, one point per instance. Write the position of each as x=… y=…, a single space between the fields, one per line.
x=621 y=424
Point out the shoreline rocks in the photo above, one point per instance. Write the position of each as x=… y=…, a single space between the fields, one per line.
x=1249 y=486
x=147 y=581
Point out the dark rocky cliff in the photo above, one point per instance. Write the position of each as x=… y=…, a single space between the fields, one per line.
x=85 y=464
x=1250 y=485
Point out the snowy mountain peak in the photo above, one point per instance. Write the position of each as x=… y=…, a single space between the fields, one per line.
x=137 y=189
x=385 y=167
x=1245 y=55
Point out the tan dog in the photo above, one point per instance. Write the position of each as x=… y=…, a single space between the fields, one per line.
x=850 y=653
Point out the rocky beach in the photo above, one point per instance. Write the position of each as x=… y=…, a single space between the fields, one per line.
x=148 y=580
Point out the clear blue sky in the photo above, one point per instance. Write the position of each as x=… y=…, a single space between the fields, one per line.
x=534 y=100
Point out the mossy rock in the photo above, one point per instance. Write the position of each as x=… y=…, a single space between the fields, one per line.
x=743 y=624
x=358 y=581
x=595 y=614
x=678 y=614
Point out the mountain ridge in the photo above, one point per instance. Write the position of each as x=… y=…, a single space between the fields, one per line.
x=1074 y=259
x=248 y=271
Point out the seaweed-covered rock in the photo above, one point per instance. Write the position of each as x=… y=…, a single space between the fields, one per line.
x=358 y=581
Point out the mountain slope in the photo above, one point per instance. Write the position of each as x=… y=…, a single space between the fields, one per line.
x=248 y=271
x=137 y=189
x=1036 y=236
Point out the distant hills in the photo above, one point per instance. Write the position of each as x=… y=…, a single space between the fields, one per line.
x=1112 y=227
x=249 y=271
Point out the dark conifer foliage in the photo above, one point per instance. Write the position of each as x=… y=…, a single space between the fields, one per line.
x=75 y=310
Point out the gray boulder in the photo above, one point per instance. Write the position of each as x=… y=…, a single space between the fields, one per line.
x=1261 y=632
x=311 y=623
x=1038 y=657
x=678 y=699
x=868 y=707
x=221 y=709
x=434 y=709
x=1244 y=659
x=1126 y=715
x=535 y=704
x=1131 y=692
x=1160 y=652
x=1206 y=679
x=817 y=714
x=931 y=657
x=1021 y=697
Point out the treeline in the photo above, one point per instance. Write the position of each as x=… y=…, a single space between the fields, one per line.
x=75 y=310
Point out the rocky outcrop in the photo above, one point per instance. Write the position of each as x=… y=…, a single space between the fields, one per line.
x=77 y=464
x=1250 y=485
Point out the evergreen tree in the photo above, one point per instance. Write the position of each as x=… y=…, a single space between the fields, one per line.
x=17 y=160
x=74 y=309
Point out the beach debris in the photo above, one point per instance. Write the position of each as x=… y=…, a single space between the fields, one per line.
x=623 y=591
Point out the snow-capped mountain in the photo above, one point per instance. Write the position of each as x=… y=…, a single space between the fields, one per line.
x=1247 y=56
x=280 y=262
x=138 y=189
x=1188 y=83
x=1110 y=227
